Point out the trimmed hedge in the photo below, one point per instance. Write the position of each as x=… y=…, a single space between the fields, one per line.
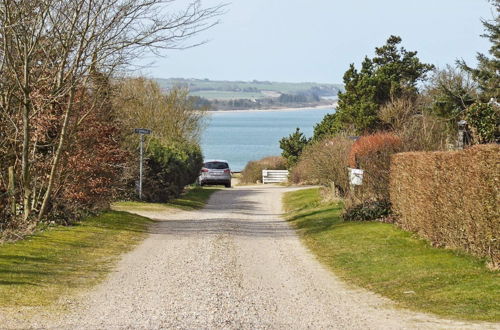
x=372 y=153
x=450 y=198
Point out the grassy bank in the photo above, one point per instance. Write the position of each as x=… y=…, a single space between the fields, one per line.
x=45 y=266
x=62 y=260
x=194 y=199
x=394 y=263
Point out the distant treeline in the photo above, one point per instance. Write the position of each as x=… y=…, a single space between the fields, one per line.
x=284 y=100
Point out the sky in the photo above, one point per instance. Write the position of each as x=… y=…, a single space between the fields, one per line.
x=316 y=40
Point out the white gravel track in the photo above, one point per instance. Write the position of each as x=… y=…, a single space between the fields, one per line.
x=234 y=265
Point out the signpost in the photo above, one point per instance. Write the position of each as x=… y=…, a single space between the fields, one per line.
x=141 y=132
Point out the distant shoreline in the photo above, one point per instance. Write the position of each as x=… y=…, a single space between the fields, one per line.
x=326 y=106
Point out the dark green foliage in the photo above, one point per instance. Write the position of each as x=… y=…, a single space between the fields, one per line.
x=484 y=121
x=299 y=98
x=394 y=72
x=368 y=211
x=169 y=168
x=327 y=127
x=487 y=74
x=292 y=146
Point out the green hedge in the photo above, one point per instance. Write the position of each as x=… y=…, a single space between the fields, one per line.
x=169 y=168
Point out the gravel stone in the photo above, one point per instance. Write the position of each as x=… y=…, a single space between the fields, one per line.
x=236 y=264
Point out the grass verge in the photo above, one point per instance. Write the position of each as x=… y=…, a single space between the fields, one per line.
x=41 y=268
x=195 y=198
x=62 y=260
x=395 y=263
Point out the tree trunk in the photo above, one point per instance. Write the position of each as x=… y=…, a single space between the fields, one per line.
x=12 y=190
x=57 y=157
x=25 y=166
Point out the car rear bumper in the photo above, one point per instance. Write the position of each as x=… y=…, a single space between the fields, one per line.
x=215 y=181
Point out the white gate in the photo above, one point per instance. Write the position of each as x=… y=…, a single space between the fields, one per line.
x=274 y=176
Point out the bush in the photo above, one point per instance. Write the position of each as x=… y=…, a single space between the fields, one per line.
x=484 y=122
x=325 y=162
x=419 y=130
x=253 y=170
x=292 y=147
x=169 y=168
x=372 y=153
x=367 y=211
x=450 y=198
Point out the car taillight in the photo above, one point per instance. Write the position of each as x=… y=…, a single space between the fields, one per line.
x=204 y=170
x=227 y=171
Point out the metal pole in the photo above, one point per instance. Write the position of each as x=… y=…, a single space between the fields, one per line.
x=140 y=165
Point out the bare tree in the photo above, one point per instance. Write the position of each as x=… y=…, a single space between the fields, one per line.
x=54 y=45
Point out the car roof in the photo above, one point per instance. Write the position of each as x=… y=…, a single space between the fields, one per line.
x=215 y=160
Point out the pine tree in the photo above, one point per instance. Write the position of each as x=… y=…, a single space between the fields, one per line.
x=292 y=146
x=392 y=73
x=487 y=73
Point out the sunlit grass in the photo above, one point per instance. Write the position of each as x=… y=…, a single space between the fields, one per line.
x=62 y=260
x=43 y=267
x=395 y=263
x=195 y=198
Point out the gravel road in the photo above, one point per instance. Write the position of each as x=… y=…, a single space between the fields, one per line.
x=236 y=265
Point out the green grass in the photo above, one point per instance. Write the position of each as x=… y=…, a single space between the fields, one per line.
x=61 y=260
x=201 y=85
x=195 y=198
x=395 y=263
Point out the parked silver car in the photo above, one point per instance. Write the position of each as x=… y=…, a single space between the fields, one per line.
x=215 y=172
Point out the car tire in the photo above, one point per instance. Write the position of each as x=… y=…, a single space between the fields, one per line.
x=228 y=185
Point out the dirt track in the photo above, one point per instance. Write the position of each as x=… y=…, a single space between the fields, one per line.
x=235 y=264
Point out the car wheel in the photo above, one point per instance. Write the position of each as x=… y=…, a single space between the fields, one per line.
x=228 y=185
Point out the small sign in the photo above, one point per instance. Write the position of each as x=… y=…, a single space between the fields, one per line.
x=142 y=131
x=356 y=176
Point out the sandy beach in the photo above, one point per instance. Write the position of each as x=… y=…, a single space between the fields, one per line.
x=326 y=106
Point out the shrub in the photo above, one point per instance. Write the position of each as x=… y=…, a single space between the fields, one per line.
x=419 y=130
x=325 y=162
x=253 y=170
x=450 y=198
x=372 y=153
x=292 y=146
x=484 y=122
x=169 y=168
x=367 y=211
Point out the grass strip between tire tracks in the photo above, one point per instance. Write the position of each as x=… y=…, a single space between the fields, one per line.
x=395 y=263
x=62 y=260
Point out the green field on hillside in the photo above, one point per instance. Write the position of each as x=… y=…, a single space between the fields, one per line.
x=224 y=90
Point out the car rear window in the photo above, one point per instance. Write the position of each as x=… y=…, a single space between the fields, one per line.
x=216 y=165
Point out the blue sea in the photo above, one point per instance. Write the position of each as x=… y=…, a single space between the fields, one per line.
x=239 y=137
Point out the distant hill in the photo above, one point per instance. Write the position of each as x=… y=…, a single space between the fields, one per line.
x=243 y=95
x=232 y=90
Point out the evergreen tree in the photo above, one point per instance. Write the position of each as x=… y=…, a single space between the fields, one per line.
x=292 y=146
x=393 y=72
x=483 y=117
x=487 y=73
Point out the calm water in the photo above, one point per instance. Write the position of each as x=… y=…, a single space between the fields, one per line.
x=239 y=137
